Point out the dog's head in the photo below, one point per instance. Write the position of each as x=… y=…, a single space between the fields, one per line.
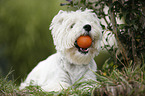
x=67 y=27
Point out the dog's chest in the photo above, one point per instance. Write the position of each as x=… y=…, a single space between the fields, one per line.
x=75 y=72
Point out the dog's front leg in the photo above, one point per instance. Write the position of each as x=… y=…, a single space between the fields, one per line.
x=88 y=81
x=55 y=86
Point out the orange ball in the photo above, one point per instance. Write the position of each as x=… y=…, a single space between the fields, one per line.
x=84 y=41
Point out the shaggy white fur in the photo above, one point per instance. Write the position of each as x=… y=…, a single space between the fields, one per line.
x=70 y=62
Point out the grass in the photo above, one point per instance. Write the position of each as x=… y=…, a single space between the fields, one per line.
x=126 y=82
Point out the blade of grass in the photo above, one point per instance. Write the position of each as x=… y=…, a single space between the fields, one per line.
x=123 y=79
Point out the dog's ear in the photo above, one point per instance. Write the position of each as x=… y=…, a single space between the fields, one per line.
x=60 y=13
x=58 y=19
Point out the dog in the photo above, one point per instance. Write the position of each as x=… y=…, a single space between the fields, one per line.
x=70 y=62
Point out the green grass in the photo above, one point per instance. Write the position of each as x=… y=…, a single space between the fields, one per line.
x=126 y=82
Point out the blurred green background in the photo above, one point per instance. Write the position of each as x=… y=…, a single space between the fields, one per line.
x=25 y=38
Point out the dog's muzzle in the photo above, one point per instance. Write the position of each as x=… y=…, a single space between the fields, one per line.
x=82 y=50
x=87 y=29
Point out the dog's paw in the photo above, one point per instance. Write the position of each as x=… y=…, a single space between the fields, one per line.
x=55 y=87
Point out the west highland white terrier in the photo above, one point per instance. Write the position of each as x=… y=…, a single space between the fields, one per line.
x=71 y=61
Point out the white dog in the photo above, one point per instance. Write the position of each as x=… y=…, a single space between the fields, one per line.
x=70 y=62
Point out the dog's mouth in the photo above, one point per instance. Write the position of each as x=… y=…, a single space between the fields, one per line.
x=82 y=50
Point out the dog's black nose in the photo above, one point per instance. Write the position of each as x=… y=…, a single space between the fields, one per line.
x=87 y=27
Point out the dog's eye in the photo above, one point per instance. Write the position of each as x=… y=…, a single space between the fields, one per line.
x=72 y=25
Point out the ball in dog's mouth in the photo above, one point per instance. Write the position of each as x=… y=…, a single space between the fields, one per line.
x=83 y=43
